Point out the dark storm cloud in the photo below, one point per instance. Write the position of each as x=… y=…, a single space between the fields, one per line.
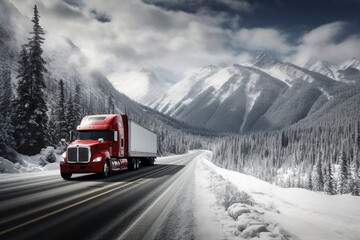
x=100 y=16
x=292 y=16
x=210 y=6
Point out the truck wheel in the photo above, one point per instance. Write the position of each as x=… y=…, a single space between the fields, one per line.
x=66 y=176
x=134 y=164
x=137 y=163
x=106 y=170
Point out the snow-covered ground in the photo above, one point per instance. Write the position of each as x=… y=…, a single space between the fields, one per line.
x=245 y=207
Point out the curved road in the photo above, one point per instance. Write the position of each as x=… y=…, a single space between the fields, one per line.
x=127 y=205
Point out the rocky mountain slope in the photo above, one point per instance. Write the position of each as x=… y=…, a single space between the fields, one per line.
x=262 y=94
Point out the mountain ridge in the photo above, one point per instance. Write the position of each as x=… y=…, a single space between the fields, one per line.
x=293 y=94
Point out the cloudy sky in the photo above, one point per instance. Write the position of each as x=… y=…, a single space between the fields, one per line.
x=175 y=37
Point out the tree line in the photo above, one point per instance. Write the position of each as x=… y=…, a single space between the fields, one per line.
x=318 y=158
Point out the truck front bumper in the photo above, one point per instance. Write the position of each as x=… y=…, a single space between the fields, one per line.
x=81 y=168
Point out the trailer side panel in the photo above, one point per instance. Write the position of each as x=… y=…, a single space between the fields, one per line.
x=142 y=142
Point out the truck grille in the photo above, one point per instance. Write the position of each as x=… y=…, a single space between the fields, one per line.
x=78 y=154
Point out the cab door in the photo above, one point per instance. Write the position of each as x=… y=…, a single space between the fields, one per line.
x=121 y=138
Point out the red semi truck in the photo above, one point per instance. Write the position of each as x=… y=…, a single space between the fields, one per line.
x=108 y=143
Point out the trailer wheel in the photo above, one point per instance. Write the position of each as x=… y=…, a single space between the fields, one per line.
x=152 y=162
x=106 y=169
x=66 y=176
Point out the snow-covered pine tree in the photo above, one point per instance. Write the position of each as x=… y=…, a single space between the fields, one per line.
x=52 y=127
x=36 y=126
x=5 y=93
x=309 y=178
x=353 y=181
x=70 y=114
x=342 y=186
x=318 y=180
x=21 y=104
x=60 y=118
x=78 y=111
x=351 y=184
x=111 y=106
x=356 y=190
x=328 y=177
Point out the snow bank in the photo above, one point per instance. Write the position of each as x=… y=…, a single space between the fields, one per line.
x=48 y=159
x=305 y=214
x=7 y=167
x=231 y=212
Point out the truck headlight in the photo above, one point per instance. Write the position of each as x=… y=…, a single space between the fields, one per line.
x=62 y=157
x=97 y=159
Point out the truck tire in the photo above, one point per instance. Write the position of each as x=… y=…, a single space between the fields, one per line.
x=106 y=170
x=137 y=164
x=66 y=176
x=151 y=162
x=134 y=164
x=131 y=164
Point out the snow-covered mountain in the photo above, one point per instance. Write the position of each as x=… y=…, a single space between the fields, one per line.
x=349 y=71
x=264 y=93
x=286 y=71
x=354 y=63
x=227 y=99
x=321 y=67
x=141 y=86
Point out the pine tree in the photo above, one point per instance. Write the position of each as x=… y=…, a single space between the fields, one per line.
x=343 y=174
x=356 y=191
x=78 y=112
x=5 y=108
x=30 y=110
x=318 y=180
x=70 y=114
x=21 y=104
x=52 y=127
x=60 y=118
x=310 y=183
x=353 y=182
x=328 y=185
x=5 y=93
x=111 y=106
x=38 y=119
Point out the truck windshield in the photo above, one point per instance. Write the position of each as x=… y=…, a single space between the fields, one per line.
x=94 y=135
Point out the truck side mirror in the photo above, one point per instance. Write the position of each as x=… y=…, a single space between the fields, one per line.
x=71 y=133
x=113 y=136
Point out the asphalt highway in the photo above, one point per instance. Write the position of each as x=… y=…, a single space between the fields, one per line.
x=126 y=205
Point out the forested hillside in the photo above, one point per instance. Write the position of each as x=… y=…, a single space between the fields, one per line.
x=320 y=158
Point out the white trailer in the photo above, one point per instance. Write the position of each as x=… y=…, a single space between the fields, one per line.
x=142 y=142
